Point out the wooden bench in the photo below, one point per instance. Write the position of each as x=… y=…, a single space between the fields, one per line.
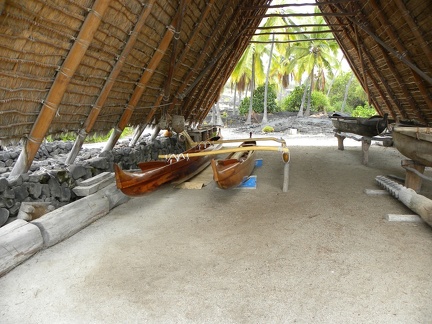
x=365 y=141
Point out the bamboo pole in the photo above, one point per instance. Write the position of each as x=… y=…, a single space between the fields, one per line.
x=321 y=14
x=298 y=33
x=284 y=150
x=291 y=41
x=142 y=84
x=167 y=89
x=296 y=26
x=58 y=88
x=147 y=121
x=295 y=5
x=109 y=83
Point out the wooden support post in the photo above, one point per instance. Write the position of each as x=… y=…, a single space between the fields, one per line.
x=155 y=133
x=366 y=143
x=340 y=139
x=412 y=180
x=52 y=101
x=286 y=177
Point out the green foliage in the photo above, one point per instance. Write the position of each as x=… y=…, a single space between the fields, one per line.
x=258 y=101
x=365 y=111
x=320 y=102
x=268 y=129
x=356 y=95
x=293 y=101
x=95 y=138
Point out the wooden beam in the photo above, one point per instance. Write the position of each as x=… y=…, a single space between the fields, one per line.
x=199 y=61
x=394 y=52
x=142 y=84
x=377 y=85
x=365 y=85
x=109 y=83
x=58 y=88
x=297 y=33
x=292 y=41
x=414 y=28
x=401 y=48
x=295 y=26
x=168 y=81
x=362 y=65
x=324 y=3
x=321 y=14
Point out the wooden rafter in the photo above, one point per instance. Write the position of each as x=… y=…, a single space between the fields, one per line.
x=142 y=84
x=281 y=6
x=168 y=81
x=295 y=26
x=58 y=88
x=365 y=86
x=180 y=96
x=109 y=83
x=394 y=52
x=401 y=48
x=212 y=79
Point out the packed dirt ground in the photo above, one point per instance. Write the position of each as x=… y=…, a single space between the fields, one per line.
x=323 y=252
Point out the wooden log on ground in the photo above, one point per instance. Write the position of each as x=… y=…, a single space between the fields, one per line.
x=19 y=240
x=417 y=203
x=114 y=195
x=65 y=221
x=412 y=180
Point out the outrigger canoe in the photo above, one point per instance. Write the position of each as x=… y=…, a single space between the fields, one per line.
x=155 y=173
x=414 y=142
x=369 y=127
x=232 y=171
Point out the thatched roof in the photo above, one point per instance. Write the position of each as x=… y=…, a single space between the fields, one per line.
x=93 y=65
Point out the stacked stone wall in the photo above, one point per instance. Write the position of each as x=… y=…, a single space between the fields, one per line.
x=51 y=180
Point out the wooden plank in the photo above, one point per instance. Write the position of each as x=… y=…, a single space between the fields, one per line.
x=403 y=218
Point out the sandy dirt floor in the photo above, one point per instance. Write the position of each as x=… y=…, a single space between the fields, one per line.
x=320 y=253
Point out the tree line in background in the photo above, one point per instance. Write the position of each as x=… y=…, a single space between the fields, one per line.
x=299 y=57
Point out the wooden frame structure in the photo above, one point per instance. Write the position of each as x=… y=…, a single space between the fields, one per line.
x=87 y=67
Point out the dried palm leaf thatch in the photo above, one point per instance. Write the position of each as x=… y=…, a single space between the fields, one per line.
x=387 y=43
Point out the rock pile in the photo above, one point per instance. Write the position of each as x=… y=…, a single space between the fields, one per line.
x=51 y=180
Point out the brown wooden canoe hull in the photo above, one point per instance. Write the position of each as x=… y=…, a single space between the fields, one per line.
x=231 y=172
x=415 y=143
x=369 y=127
x=156 y=173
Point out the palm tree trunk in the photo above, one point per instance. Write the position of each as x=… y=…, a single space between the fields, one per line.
x=249 y=117
x=265 y=120
x=300 y=113
x=308 y=108
x=235 y=97
x=213 y=117
x=219 y=121
x=346 y=92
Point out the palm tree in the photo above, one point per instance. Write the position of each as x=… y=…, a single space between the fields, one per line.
x=314 y=56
